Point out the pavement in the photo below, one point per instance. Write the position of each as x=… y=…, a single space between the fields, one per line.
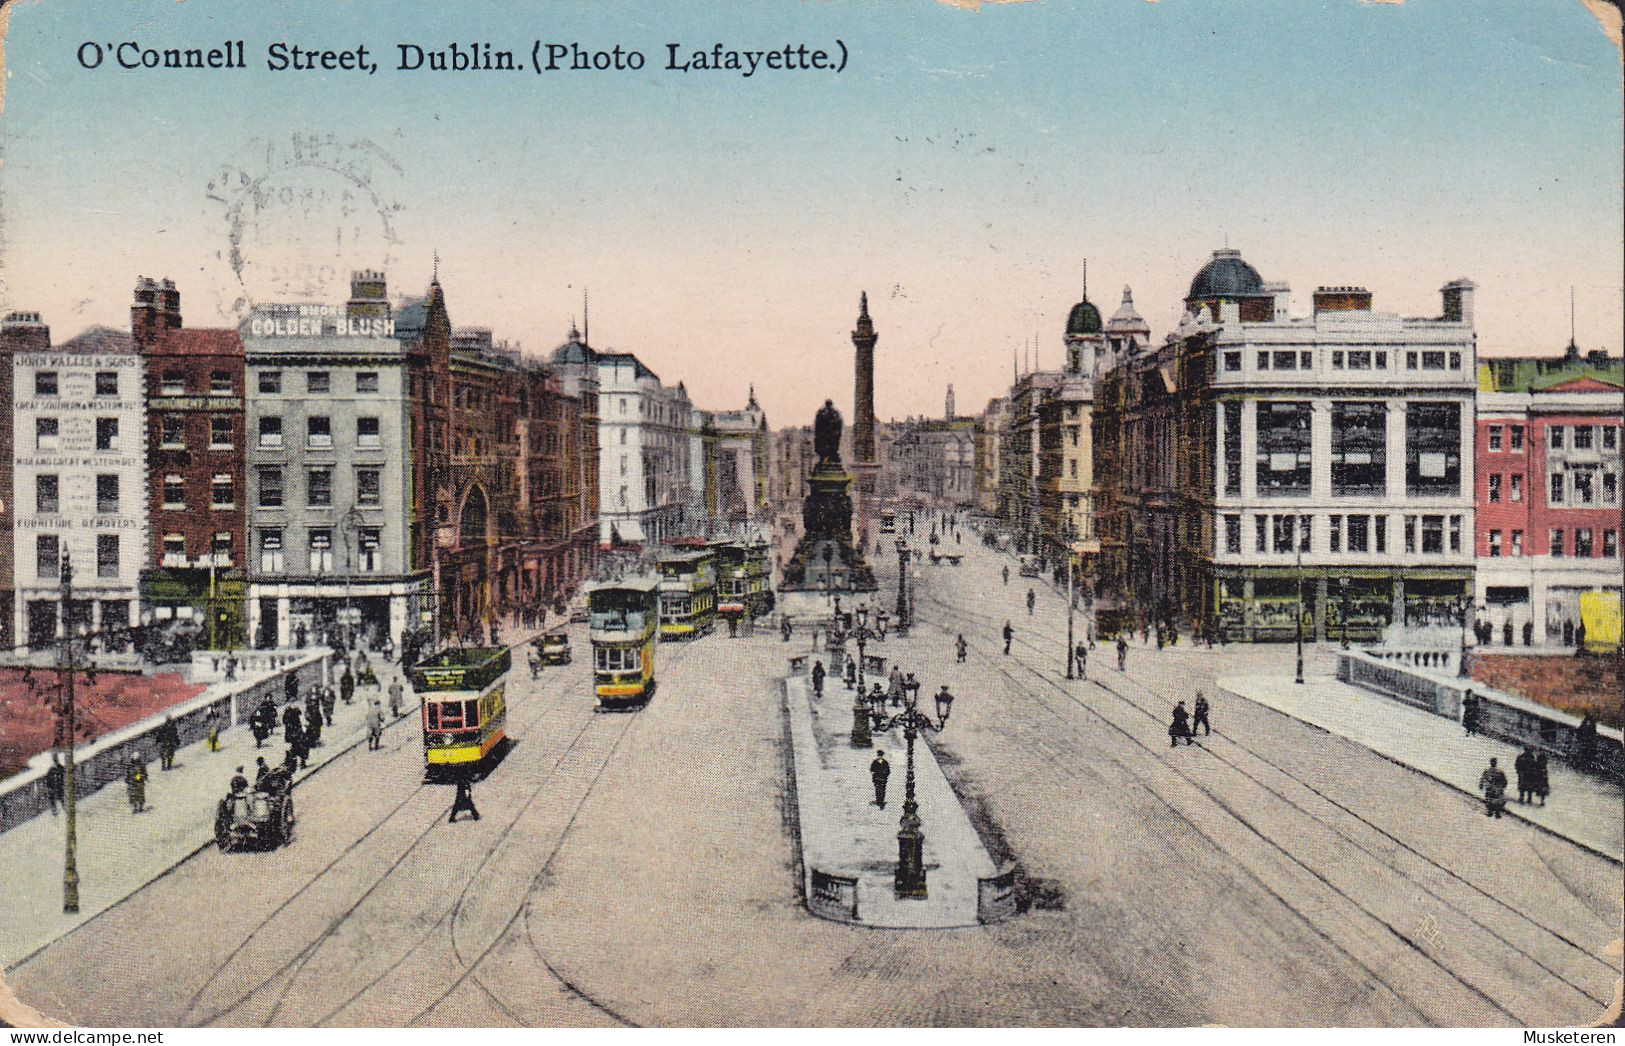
x=842 y=831
x=120 y=851
x=1582 y=808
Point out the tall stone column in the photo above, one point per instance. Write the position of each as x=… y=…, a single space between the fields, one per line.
x=864 y=464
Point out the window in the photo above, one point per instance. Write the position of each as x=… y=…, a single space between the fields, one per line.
x=1556 y=436
x=1455 y=361
x=318 y=381
x=1305 y=530
x=623 y=437
x=1410 y=360
x=222 y=491
x=1337 y=359
x=219 y=433
x=1584 y=492
x=1517 y=486
x=45 y=434
x=1380 y=358
x=1284 y=528
x=270 y=381
x=1455 y=533
x=366 y=433
x=1495 y=544
x=45 y=383
x=1382 y=533
x=174 y=550
x=174 y=383
x=107 y=493
x=366 y=381
x=106 y=433
x=1610 y=437
x=47 y=557
x=107 y=555
x=1517 y=542
x=369 y=541
x=321 y=551
x=1610 y=488
x=1359 y=359
x=1557 y=541
x=1284 y=361
x=1263 y=360
x=1495 y=487
x=1359 y=448
x=1582 y=542
x=1432 y=535
x=1495 y=437
x=47 y=495
x=1610 y=544
x=1232 y=362
x=318 y=432
x=1261 y=526
x=1557 y=489
x=1232 y=448
x=1433 y=448
x=1232 y=534
x=1335 y=533
x=320 y=488
x=367 y=490
x=271 y=551
x=1517 y=437
x=1359 y=533
x=1433 y=360
x=172 y=430
x=220 y=383
x=1283 y=449
x=1582 y=437
x=270 y=487
x=107 y=383
x=174 y=492
x=270 y=431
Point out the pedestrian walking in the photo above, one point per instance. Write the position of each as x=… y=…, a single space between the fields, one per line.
x=292 y=724
x=1493 y=782
x=894 y=686
x=880 y=773
x=1543 y=780
x=1585 y=742
x=1080 y=654
x=313 y=720
x=291 y=760
x=1031 y=599
x=135 y=784
x=375 y=725
x=818 y=678
x=1523 y=772
x=395 y=694
x=260 y=770
x=1122 y=653
x=328 y=704
x=851 y=673
x=1469 y=714
x=1007 y=574
x=960 y=648
x=56 y=783
x=1009 y=634
x=347 y=685
x=464 y=803
x=1180 y=727
x=263 y=722
x=169 y=739
x=1200 y=718
x=300 y=635
x=212 y=737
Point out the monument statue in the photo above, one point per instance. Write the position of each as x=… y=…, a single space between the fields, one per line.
x=827 y=432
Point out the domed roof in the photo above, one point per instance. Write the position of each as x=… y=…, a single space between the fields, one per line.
x=574 y=350
x=1127 y=317
x=1084 y=319
x=1226 y=276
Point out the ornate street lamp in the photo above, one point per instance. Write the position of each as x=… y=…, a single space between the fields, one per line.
x=1297 y=617
x=910 y=878
x=902 y=584
x=1464 y=603
x=860 y=713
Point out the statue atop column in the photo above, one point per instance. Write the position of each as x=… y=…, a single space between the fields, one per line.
x=827 y=433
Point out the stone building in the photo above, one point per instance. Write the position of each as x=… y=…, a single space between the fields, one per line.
x=19 y=332
x=79 y=480
x=197 y=496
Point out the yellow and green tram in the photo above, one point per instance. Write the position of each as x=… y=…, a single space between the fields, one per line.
x=688 y=593
x=462 y=705
x=622 y=619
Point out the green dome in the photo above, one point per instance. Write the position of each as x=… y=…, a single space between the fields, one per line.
x=1084 y=319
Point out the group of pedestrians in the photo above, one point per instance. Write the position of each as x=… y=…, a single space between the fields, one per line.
x=1185 y=722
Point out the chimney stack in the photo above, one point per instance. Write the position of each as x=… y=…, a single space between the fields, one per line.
x=156 y=307
x=1458 y=301
x=1342 y=299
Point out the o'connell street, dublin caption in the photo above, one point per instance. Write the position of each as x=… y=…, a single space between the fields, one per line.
x=915 y=515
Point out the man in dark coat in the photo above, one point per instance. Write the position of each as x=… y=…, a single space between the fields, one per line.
x=1180 y=727
x=169 y=739
x=347 y=685
x=879 y=774
x=1543 y=780
x=292 y=724
x=328 y=704
x=313 y=720
x=260 y=770
x=818 y=674
x=1585 y=742
x=1200 y=718
x=1493 y=782
x=56 y=778
x=464 y=803
x=1080 y=654
x=263 y=721
x=1469 y=714
x=851 y=673
x=1009 y=634
x=1523 y=769
x=1122 y=653
x=959 y=648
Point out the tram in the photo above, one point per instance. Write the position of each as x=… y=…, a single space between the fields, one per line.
x=688 y=593
x=622 y=618
x=462 y=705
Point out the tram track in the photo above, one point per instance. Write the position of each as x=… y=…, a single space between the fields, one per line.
x=1432 y=890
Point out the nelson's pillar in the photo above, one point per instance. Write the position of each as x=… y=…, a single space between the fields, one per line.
x=864 y=465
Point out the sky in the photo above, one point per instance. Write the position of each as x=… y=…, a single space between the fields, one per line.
x=961 y=169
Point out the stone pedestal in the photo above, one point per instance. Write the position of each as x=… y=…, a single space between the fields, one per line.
x=826 y=559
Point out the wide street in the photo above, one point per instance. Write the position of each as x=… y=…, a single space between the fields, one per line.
x=641 y=869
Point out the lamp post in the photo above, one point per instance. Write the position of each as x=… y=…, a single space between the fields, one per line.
x=1297 y=618
x=860 y=710
x=829 y=557
x=1463 y=604
x=1343 y=612
x=902 y=585
x=70 y=857
x=1066 y=552
x=351 y=526
x=909 y=882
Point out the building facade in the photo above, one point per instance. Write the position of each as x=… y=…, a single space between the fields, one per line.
x=1548 y=492
x=79 y=483
x=20 y=332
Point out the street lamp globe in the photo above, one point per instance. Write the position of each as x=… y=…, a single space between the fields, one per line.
x=945 y=705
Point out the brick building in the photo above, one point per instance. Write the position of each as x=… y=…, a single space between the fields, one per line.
x=1548 y=491
x=196 y=494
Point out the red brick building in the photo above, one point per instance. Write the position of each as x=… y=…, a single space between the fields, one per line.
x=195 y=461
x=1548 y=498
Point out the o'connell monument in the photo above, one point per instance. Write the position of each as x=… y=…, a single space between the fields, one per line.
x=825 y=559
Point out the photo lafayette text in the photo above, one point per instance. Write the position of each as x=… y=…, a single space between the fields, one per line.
x=471 y=57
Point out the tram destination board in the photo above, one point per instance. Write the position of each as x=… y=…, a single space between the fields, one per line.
x=472 y=668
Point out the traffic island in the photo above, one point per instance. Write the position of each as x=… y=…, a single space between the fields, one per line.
x=850 y=845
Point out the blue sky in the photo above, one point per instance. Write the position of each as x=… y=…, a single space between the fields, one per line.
x=961 y=169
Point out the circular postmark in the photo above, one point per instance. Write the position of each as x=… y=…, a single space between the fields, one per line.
x=301 y=214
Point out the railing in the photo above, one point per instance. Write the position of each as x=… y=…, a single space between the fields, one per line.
x=833 y=896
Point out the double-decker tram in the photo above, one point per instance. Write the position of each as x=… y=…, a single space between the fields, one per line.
x=688 y=593
x=462 y=705
x=622 y=618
